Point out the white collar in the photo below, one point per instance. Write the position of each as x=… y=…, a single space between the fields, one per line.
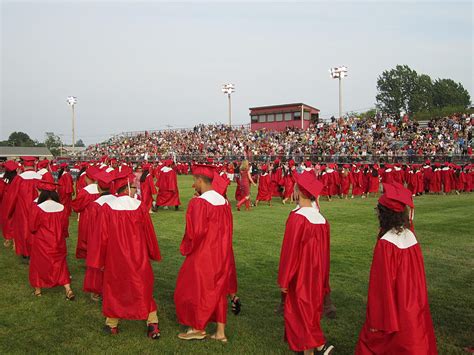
x=388 y=170
x=311 y=214
x=403 y=240
x=446 y=168
x=51 y=206
x=125 y=203
x=166 y=169
x=30 y=175
x=265 y=174
x=105 y=199
x=92 y=189
x=42 y=171
x=213 y=198
x=109 y=169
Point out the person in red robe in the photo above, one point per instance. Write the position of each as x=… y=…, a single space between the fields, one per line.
x=147 y=187
x=374 y=180
x=44 y=170
x=427 y=174
x=264 y=188
x=276 y=179
x=81 y=177
x=303 y=273
x=245 y=181
x=80 y=205
x=168 y=191
x=447 y=178
x=6 y=223
x=128 y=243
x=398 y=319
x=48 y=265
x=459 y=179
x=22 y=193
x=288 y=181
x=357 y=181
x=436 y=179
x=208 y=273
x=345 y=181
x=65 y=189
x=93 y=277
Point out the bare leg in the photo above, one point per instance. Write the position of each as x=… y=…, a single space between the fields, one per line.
x=220 y=332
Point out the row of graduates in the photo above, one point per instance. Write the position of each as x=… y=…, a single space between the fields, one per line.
x=120 y=243
x=363 y=180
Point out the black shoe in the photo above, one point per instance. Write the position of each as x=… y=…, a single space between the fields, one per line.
x=153 y=331
x=110 y=330
x=176 y=208
x=326 y=350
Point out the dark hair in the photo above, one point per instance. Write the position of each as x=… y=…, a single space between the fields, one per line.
x=389 y=219
x=48 y=195
x=375 y=173
x=122 y=189
x=206 y=179
x=144 y=175
x=9 y=176
x=61 y=171
x=80 y=173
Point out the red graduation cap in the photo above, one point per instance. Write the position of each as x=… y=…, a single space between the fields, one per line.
x=10 y=165
x=28 y=160
x=308 y=184
x=63 y=165
x=276 y=162
x=308 y=164
x=204 y=170
x=264 y=167
x=47 y=185
x=210 y=160
x=291 y=163
x=43 y=163
x=220 y=183
x=123 y=178
x=396 y=197
x=91 y=172
x=146 y=166
x=104 y=179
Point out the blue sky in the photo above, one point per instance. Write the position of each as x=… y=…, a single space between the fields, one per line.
x=147 y=65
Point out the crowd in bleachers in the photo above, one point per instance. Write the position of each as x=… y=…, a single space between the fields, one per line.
x=351 y=137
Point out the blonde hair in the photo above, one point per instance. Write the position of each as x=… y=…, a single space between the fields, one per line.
x=244 y=165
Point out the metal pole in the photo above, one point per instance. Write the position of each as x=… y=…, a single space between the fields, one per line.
x=340 y=95
x=73 y=130
x=302 y=117
x=230 y=111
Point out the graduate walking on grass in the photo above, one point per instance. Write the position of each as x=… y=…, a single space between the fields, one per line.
x=47 y=223
x=398 y=319
x=303 y=273
x=128 y=243
x=208 y=274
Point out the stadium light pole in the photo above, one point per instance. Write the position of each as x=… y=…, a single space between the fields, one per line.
x=72 y=101
x=228 y=89
x=339 y=73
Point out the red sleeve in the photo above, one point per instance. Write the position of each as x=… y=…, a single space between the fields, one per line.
x=150 y=237
x=381 y=302
x=34 y=220
x=196 y=226
x=152 y=185
x=99 y=241
x=10 y=202
x=81 y=201
x=290 y=250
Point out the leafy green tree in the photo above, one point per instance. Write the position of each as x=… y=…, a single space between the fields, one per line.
x=447 y=92
x=422 y=96
x=80 y=143
x=53 y=143
x=20 y=139
x=396 y=88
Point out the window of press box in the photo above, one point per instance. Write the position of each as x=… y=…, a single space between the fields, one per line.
x=306 y=116
x=297 y=116
x=279 y=117
x=288 y=116
x=254 y=118
x=261 y=118
x=270 y=117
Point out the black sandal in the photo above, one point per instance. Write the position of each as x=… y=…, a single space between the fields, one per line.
x=153 y=331
x=236 y=305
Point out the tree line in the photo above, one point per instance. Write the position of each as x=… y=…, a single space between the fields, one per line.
x=52 y=142
x=402 y=89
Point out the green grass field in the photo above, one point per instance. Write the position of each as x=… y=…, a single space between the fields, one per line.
x=444 y=226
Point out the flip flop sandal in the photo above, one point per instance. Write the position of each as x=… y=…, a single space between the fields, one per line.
x=190 y=335
x=70 y=296
x=153 y=331
x=214 y=337
x=37 y=294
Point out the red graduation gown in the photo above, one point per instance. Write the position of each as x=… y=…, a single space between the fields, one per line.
x=345 y=182
x=289 y=185
x=94 y=276
x=48 y=265
x=304 y=271
x=397 y=304
x=65 y=190
x=81 y=205
x=357 y=183
x=128 y=242
x=208 y=273
x=276 y=179
x=447 y=179
x=21 y=194
x=168 y=192
x=264 y=188
x=147 y=190
x=435 y=181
